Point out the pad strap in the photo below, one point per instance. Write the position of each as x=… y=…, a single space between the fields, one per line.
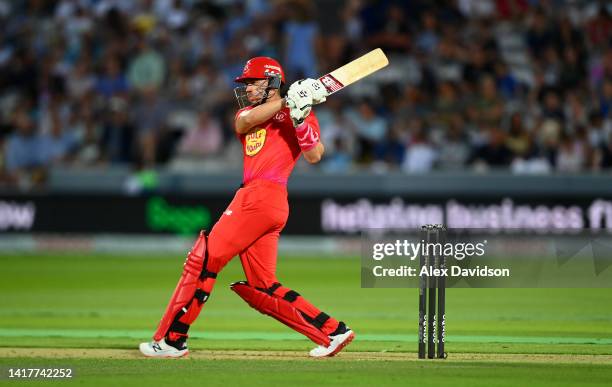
x=291 y=296
x=179 y=327
x=201 y=295
x=270 y=291
x=318 y=321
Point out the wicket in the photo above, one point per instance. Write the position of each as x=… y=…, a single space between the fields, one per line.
x=432 y=322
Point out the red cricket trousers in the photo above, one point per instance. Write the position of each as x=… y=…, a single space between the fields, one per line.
x=250 y=227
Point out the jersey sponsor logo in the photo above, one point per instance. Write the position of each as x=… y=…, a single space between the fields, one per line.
x=331 y=84
x=254 y=142
x=280 y=116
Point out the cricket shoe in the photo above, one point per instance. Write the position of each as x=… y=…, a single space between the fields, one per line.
x=341 y=337
x=162 y=349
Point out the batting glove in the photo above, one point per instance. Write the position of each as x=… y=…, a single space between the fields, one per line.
x=301 y=95
x=297 y=115
x=319 y=93
x=299 y=101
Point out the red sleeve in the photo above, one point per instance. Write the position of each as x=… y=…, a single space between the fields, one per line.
x=236 y=118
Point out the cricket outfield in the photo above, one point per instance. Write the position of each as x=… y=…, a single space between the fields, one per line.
x=89 y=312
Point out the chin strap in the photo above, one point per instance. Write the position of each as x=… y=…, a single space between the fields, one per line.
x=274 y=82
x=265 y=97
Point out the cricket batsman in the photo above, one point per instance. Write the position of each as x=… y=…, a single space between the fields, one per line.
x=274 y=132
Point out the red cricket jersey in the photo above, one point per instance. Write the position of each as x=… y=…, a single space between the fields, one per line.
x=270 y=150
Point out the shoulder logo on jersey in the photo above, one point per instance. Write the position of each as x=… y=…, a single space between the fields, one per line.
x=254 y=142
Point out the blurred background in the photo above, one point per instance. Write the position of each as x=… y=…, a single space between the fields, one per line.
x=116 y=116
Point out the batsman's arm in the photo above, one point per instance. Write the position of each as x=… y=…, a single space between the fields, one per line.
x=309 y=139
x=258 y=115
x=315 y=154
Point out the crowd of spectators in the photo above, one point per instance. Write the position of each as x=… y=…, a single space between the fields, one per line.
x=520 y=85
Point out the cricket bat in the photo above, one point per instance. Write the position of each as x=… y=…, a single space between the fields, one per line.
x=354 y=71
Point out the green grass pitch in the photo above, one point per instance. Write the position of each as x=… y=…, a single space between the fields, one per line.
x=90 y=312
